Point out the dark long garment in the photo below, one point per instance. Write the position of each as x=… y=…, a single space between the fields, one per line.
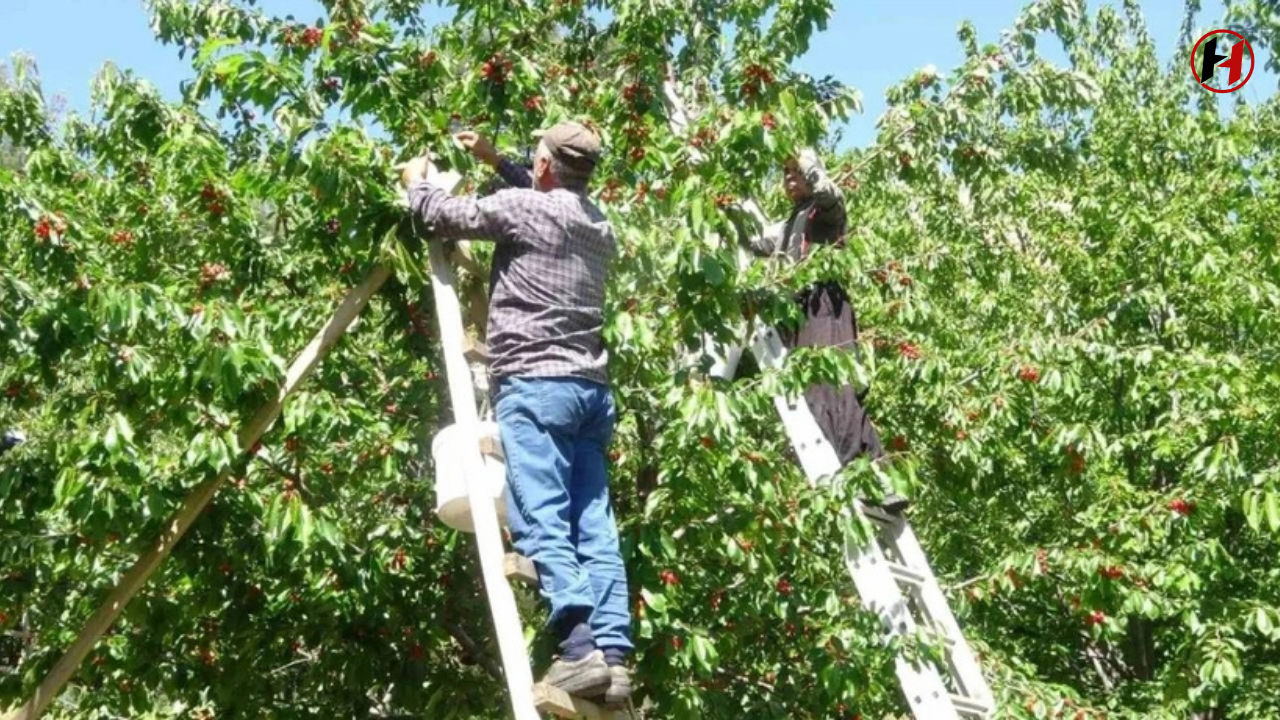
x=830 y=321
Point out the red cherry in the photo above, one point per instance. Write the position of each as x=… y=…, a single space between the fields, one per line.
x=1029 y=373
x=768 y=121
x=1075 y=462
x=909 y=351
x=1182 y=507
x=707 y=442
x=1097 y=617
x=898 y=443
x=1111 y=572
x=533 y=103
x=784 y=587
x=905 y=281
x=677 y=642
x=390 y=409
x=669 y=577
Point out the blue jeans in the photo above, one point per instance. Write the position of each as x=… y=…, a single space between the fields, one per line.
x=555 y=435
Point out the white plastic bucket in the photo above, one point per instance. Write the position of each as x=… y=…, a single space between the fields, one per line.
x=453 y=505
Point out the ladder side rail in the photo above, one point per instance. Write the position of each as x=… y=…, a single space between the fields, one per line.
x=968 y=672
x=923 y=687
x=502 y=601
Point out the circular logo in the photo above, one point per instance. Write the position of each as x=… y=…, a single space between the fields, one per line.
x=1224 y=52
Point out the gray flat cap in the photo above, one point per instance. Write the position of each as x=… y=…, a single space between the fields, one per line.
x=574 y=145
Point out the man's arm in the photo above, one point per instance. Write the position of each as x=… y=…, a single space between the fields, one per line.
x=827 y=197
x=497 y=218
x=761 y=240
x=483 y=150
x=514 y=175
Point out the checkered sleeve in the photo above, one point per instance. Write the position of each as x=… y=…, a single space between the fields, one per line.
x=514 y=175
x=499 y=217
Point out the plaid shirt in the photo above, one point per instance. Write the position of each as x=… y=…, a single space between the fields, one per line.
x=547 y=284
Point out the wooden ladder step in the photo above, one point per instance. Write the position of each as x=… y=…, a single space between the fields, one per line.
x=475 y=351
x=492 y=447
x=519 y=568
x=563 y=705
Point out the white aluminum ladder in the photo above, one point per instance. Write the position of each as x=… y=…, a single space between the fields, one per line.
x=891 y=573
x=467 y=376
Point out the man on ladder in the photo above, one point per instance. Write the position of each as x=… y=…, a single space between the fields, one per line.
x=553 y=403
x=818 y=217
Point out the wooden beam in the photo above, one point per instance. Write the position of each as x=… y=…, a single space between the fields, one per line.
x=462 y=395
x=553 y=700
x=475 y=351
x=519 y=568
x=129 y=585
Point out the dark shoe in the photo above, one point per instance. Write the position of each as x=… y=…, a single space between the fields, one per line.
x=619 y=691
x=588 y=677
x=892 y=503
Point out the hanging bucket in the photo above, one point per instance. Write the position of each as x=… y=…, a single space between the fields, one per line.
x=453 y=505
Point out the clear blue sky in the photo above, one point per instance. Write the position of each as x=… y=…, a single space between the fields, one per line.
x=869 y=44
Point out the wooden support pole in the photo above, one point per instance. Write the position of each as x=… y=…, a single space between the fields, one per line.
x=502 y=602
x=133 y=581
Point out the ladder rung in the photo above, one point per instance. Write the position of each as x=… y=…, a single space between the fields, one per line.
x=561 y=704
x=879 y=515
x=902 y=573
x=475 y=351
x=970 y=706
x=491 y=447
x=519 y=568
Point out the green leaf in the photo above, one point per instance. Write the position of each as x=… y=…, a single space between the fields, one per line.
x=657 y=602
